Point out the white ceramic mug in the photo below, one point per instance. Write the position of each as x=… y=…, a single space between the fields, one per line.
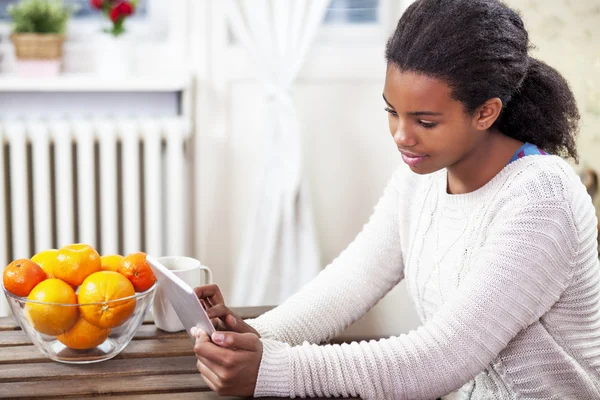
x=192 y=272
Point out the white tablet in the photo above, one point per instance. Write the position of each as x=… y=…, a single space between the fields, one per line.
x=182 y=297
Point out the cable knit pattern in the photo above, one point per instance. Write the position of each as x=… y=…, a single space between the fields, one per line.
x=505 y=279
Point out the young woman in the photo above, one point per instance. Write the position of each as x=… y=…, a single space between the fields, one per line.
x=494 y=233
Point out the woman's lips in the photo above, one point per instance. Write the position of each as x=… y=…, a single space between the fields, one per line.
x=412 y=159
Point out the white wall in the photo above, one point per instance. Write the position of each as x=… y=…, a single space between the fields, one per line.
x=567 y=36
x=350 y=155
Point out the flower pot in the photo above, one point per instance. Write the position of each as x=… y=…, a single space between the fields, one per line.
x=38 y=54
x=114 y=56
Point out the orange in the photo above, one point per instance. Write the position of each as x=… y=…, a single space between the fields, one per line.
x=21 y=276
x=138 y=271
x=76 y=262
x=52 y=319
x=47 y=259
x=83 y=336
x=111 y=262
x=106 y=288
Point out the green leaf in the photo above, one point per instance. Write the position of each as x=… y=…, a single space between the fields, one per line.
x=40 y=16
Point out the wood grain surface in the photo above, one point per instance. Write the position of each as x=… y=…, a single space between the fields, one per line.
x=155 y=365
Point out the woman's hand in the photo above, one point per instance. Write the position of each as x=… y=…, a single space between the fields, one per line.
x=229 y=364
x=222 y=317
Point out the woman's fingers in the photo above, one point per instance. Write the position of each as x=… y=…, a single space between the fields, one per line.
x=236 y=324
x=217 y=315
x=218 y=311
x=205 y=304
x=227 y=346
x=208 y=376
x=229 y=321
x=218 y=324
x=199 y=334
x=210 y=293
x=212 y=300
x=239 y=341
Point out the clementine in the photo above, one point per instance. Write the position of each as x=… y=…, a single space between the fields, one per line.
x=111 y=262
x=138 y=271
x=57 y=317
x=106 y=289
x=83 y=336
x=21 y=276
x=76 y=262
x=47 y=259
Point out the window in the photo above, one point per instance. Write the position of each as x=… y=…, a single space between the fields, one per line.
x=352 y=12
x=83 y=9
x=359 y=22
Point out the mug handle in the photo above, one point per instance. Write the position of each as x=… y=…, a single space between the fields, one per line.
x=208 y=274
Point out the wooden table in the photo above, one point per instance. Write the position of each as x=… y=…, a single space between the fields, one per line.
x=155 y=365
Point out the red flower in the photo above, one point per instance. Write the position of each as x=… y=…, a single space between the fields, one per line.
x=121 y=10
x=99 y=4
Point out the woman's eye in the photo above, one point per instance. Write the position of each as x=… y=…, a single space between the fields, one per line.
x=428 y=125
x=390 y=111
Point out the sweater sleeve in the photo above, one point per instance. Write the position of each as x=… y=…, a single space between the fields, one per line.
x=346 y=289
x=525 y=264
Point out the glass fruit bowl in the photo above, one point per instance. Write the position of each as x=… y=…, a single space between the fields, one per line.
x=63 y=332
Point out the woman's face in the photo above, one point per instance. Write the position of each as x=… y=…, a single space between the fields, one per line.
x=430 y=128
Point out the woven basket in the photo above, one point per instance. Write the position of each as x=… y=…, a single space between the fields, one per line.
x=33 y=46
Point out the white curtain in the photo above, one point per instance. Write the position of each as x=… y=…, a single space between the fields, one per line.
x=280 y=253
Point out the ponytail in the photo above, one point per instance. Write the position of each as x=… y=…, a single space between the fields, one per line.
x=543 y=111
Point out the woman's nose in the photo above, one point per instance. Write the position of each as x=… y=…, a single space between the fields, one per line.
x=403 y=138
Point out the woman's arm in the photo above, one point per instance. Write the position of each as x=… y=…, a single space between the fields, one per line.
x=346 y=289
x=522 y=270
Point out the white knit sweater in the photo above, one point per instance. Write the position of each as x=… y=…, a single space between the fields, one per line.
x=505 y=279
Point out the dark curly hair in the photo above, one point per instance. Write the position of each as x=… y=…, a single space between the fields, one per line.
x=479 y=47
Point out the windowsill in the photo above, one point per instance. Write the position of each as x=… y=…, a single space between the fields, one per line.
x=94 y=83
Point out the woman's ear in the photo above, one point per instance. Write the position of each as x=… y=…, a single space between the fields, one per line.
x=487 y=114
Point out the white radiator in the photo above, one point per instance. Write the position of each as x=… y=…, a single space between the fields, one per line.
x=120 y=186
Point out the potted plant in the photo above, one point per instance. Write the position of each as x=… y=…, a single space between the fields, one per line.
x=38 y=33
x=115 y=47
